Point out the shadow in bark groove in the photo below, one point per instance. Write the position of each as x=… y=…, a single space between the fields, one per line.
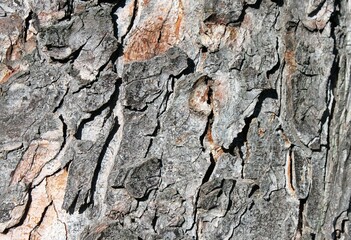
x=241 y=138
x=209 y=171
x=25 y=213
x=109 y=104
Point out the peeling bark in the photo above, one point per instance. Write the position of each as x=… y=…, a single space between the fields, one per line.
x=147 y=119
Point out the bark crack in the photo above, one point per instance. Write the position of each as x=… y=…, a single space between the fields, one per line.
x=27 y=24
x=241 y=138
x=41 y=219
x=61 y=101
x=25 y=212
x=111 y=103
x=300 y=225
x=94 y=180
x=72 y=57
x=318 y=8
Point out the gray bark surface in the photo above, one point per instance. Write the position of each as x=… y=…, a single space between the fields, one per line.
x=178 y=119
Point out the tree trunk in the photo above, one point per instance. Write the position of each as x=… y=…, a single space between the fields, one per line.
x=177 y=119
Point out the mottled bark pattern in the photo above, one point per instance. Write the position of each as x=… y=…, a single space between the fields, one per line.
x=177 y=119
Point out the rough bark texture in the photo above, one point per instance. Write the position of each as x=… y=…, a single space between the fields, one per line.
x=177 y=119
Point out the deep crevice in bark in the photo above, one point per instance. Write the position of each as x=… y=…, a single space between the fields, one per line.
x=111 y=103
x=171 y=81
x=289 y=170
x=190 y=69
x=276 y=67
x=254 y=189
x=114 y=16
x=71 y=58
x=318 y=8
x=210 y=117
x=279 y=2
x=41 y=218
x=332 y=82
x=206 y=131
x=26 y=25
x=256 y=5
x=154 y=222
x=61 y=101
x=25 y=212
x=72 y=206
x=313 y=236
x=110 y=136
x=300 y=227
x=133 y=109
x=241 y=137
x=135 y=10
x=209 y=171
x=64 y=132
x=69 y=11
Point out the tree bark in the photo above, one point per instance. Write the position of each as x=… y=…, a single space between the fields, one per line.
x=178 y=119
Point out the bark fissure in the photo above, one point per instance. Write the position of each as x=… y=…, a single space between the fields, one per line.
x=318 y=8
x=41 y=219
x=24 y=214
x=110 y=104
x=106 y=145
x=70 y=58
x=26 y=25
x=61 y=101
x=300 y=226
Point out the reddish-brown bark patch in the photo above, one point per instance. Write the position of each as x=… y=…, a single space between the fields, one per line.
x=146 y=2
x=42 y=220
x=291 y=61
x=154 y=36
x=232 y=33
x=179 y=19
x=11 y=24
x=6 y=72
x=36 y=156
x=261 y=132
